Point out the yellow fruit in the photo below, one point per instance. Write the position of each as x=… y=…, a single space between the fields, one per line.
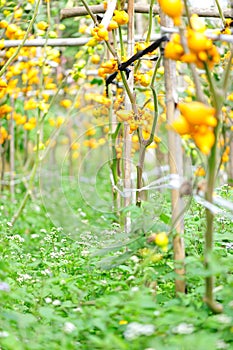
x=42 y=25
x=95 y=59
x=123 y=115
x=161 y=239
x=204 y=141
x=197 y=23
x=145 y=80
x=172 y=8
x=197 y=112
x=174 y=51
x=112 y=25
x=121 y=17
x=181 y=126
x=198 y=41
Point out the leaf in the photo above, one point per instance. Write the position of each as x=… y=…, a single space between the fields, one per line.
x=165 y=218
x=113 y=261
x=46 y=312
x=96 y=81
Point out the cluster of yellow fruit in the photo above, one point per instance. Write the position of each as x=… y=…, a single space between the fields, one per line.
x=120 y=17
x=100 y=33
x=5 y=109
x=56 y=122
x=30 y=124
x=3 y=135
x=144 y=121
x=201 y=49
x=108 y=67
x=198 y=121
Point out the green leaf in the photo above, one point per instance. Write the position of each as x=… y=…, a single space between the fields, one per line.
x=96 y=81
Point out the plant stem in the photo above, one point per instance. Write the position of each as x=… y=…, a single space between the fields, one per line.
x=121 y=42
x=31 y=183
x=187 y=12
x=216 y=97
x=220 y=11
x=209 y=282
x=211 y=177
x=89 y=11
x=227 y=74
x=140 y=166
x=150 y=21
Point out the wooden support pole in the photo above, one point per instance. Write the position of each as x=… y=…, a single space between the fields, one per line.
x=128 y=106
x=139 y=8
x=62 y=42
x=12 y=152
x=176 y=167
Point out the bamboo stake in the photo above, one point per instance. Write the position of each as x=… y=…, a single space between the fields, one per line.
x=176 y=167
x=2 y=152
x=97 y=9
x=62 y=42
x=230 y=171
x=128 y=106
x=12 y=153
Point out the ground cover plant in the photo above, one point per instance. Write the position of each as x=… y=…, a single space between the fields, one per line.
x=116 y=175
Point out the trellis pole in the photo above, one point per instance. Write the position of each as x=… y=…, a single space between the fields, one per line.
x=128 y=106
x=12 y=152
x=140 y=8
x=176 y=167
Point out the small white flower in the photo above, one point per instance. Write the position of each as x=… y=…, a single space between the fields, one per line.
x=156 y=313
x=224 y=319
x=17 y=238
x=9 y=224
x=46 y=272
x=43 y=230
x=48 y=300
x=56 y=302
x=85 y=253
x=134 y=289
x=78 y=309
x=35 y=235
x=4 y=287
x=135 y=329
x=24 y=277
x=135 y=259
x=69 y=327
x=147 y=329
x=130 y=278
x=183 y=328
x=104 y=282
x=3 y=334
x=221 y=344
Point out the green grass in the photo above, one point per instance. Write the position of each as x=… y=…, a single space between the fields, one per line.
x=64 y=294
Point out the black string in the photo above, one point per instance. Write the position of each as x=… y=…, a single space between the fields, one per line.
x=123 y=66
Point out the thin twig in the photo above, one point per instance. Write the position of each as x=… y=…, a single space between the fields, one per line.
x=220 y=11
